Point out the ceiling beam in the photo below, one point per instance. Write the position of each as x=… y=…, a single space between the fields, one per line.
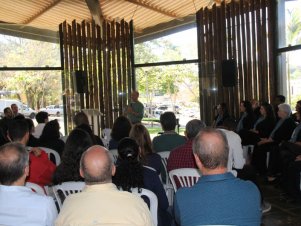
x=41 y=12
x=153 y=8
x=95 y=11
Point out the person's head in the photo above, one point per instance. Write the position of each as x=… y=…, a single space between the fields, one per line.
x=88 y=129
x=267 y=111
x=134 y=95
x=168 y=121
x=229 y=124
x=51 y=131
x=245 y=106
x=141 y=135
x=255 y=104
x=193 y=127
x=298 y=105
x=80 y=118
x=121 y=128
x=210 y=148
x=279 y=99
x=284 y=111
x=8 y=113
x=42 y=117
x=18 y=131
x=14 y=108
x=14 y=164
x=30 y=125
x=222 y=108
x=96 y=166
x=77 y=143
x=298 y=116
x=129 y=172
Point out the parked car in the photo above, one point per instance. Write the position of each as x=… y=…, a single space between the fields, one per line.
x=23 y=108
x=53 y=110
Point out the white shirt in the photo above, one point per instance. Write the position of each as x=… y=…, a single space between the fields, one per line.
x=236 y=158
x=38 y=130
x=19 y=205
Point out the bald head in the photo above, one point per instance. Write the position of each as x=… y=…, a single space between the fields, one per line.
x=211 y=147
x=96 y=165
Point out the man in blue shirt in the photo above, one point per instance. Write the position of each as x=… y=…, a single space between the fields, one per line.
x=135 y=110
x=218 y=197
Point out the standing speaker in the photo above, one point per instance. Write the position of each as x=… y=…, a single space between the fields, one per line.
x=229 y=73
x=80 y=81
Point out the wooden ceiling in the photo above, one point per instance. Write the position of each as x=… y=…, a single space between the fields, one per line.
x=146 y=14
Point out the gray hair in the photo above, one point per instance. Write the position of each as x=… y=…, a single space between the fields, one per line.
x=286 y=108
x=211 y=154
x=193 y=127
x=13 y=160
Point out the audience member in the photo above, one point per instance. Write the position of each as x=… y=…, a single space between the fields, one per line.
x=42 y=119
x=32 y=141
x=50 y=137
x=81 y=121
x=135 y=110
x=169 y=140
x=222 y=114
x=100 y=203
x=77 y=142
x=121 y=129
x=182 y=157
x=247 y=118
x=15 y=110
x=218 y=198
x=279 y=99
x=41 y=168
x=8 y=116
x=256 y=108
x=147 y=157
x=130 y=173
x=19 y=204
x=298 y=109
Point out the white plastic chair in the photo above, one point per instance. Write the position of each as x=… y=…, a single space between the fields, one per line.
x=187 y=177
x=35 y=188
x=153 y=202
x=113 y=154
x=67 y=188
x=50 y=152
x=106 y=136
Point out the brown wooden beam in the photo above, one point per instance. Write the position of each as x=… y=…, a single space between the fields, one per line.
x=42 y=11
x=153 y=8
x=95 y=11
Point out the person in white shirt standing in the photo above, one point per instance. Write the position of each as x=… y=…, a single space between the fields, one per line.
x=42 y=119
x=19 y=205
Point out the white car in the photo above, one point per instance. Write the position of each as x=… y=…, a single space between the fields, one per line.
x=53 y=110
x=23 y=109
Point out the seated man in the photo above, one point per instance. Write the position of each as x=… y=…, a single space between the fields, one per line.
x=19 y=204
x=101 y=203
x=169 y=139
x=182 y=157
x=218 y=197
x=42 y=119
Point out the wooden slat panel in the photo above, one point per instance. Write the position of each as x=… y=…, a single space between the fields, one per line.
x=119 y=67
x=254 y=52
x=249 y=76
x=105 y=76
x=90 y=75
x=264 y=50
x=109 y=90
x=85 y=64
x=123 y=63
x=114 y=74
x=80 y=61
x=94 y=78
x=128 y=60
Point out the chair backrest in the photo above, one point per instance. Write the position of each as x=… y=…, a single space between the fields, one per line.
x=54 y=153
x=153 y=202
x=61 y=191
x=164 y=157
x=106 y=136
x=35 y=187
x=113 y=154
x=185 y=177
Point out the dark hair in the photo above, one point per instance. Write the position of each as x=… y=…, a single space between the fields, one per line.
x=193 y=127
x=141 y=135
x=30 y=124
x=41 y=116
x=129 y=172
x=88 y=129
x=281 y=98
x=17 y=129
x=247 y=104
x=230 y=124
x=224 y=107
x=51 y=131
x=19 y=117
x=211 y=154
x=5 y=111
x=13 y=160
x=121 y=128
x=80 y=118
x=168 y=121
x=269 y=110
x=77 y=143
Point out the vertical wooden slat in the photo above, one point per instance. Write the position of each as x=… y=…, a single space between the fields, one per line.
x=80 y=60
x=85 y=66
x=264 y=49
x=248 y=50
x=69 y=77
x=128 y=60
x=259 y=54
x=244 y=51
x=94 y=78
x=90 y=75
x=105 y=71
x=119 y=75
x=123 y=63
x=109 y=90
x=75 y=62
x=254 y=52
x=114 y=74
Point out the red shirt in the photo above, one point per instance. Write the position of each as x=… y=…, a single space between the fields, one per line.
x=181 y=157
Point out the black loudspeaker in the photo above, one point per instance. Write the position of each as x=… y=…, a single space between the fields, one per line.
x=229 y=73
x=80 y=81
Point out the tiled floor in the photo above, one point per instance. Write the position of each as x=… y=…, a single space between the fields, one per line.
x=283 y=213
